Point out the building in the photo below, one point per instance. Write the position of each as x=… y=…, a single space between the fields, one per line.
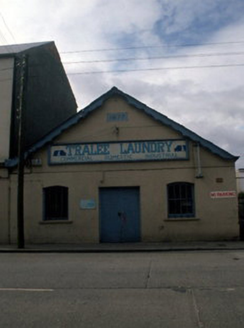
x=240 y=191
x=47 y=101
x=119 y=171
x=240 y=180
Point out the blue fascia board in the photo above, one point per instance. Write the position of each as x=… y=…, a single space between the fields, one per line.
x=136 y=104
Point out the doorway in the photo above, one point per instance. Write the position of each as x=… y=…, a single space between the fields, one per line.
x=119 y=215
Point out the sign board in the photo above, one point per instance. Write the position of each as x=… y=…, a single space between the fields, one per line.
x=125 y=151
x=117 y=117
x=87 y=204
x=222 y=194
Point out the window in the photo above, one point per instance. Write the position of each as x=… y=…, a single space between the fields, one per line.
x=55 y=203
x=181 y=199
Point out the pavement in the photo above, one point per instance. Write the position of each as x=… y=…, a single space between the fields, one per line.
x=124 y=247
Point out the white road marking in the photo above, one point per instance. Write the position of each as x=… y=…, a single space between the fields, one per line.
x=25 y=290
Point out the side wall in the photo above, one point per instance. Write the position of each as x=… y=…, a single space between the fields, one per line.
x=49 y=97
x=4 y=207
x=6 y=87
x=240 y=180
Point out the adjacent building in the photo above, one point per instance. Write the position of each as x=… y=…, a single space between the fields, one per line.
x=119 y=171
x=47 y=101
x=240 y=180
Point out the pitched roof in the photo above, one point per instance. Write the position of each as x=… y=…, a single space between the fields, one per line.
x=13 y=49
x=186 y=133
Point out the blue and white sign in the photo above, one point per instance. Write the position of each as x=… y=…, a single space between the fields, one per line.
x=87 y=204
x=125 y=151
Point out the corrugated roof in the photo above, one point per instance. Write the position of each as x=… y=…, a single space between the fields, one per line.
x=186 y=133
x=10 y=50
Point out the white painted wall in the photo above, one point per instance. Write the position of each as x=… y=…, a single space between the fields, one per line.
x=6 y=88
x=240 y=180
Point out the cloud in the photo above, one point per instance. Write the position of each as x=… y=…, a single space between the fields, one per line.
x=208 y=101
x=195 y=21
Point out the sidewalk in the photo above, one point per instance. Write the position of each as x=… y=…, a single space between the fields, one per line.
x=125 y=247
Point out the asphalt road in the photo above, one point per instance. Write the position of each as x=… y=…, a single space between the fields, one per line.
x=167 y=289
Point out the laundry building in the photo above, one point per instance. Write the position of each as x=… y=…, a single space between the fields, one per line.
x=119 y=171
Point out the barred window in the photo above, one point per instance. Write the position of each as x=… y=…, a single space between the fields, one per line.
x=55 y=203
x=181 y=199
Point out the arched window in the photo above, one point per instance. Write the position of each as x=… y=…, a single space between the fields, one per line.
x=181 y=199
x=55 y=203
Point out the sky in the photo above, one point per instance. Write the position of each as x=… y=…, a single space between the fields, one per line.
x=183 y=58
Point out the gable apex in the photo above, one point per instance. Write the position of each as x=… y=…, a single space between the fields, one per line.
x=99 y=102
x=185 y=132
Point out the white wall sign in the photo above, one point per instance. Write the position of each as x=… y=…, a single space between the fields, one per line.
x=126 y=151
x=222 y=194
x=87 y=204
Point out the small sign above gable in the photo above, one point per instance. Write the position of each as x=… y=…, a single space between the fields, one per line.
x=126 y=151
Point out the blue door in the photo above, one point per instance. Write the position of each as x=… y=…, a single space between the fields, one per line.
x=119 y=215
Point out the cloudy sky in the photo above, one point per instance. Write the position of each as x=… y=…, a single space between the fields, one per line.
x=184 y=58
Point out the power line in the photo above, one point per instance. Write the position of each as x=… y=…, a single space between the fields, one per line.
x=5 y=41
x=153 y=58
x=153 y=47
x=157 y=69
x=143 y=58
x=145 y=69
x=8 y=29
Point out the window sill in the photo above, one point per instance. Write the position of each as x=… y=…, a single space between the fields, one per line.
x=56 y=222
x=181 y=219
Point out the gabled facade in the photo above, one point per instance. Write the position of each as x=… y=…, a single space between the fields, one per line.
x=118 y=171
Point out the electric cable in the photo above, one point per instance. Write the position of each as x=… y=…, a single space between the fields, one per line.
x=157 y=69
x=153 y=58
x=154 y=47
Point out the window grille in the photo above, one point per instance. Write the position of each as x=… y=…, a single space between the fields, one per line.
x=181 y=199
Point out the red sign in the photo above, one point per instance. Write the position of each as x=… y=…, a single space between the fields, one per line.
x=222 y=194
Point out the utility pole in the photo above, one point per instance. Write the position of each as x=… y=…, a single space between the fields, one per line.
x=21 y=164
